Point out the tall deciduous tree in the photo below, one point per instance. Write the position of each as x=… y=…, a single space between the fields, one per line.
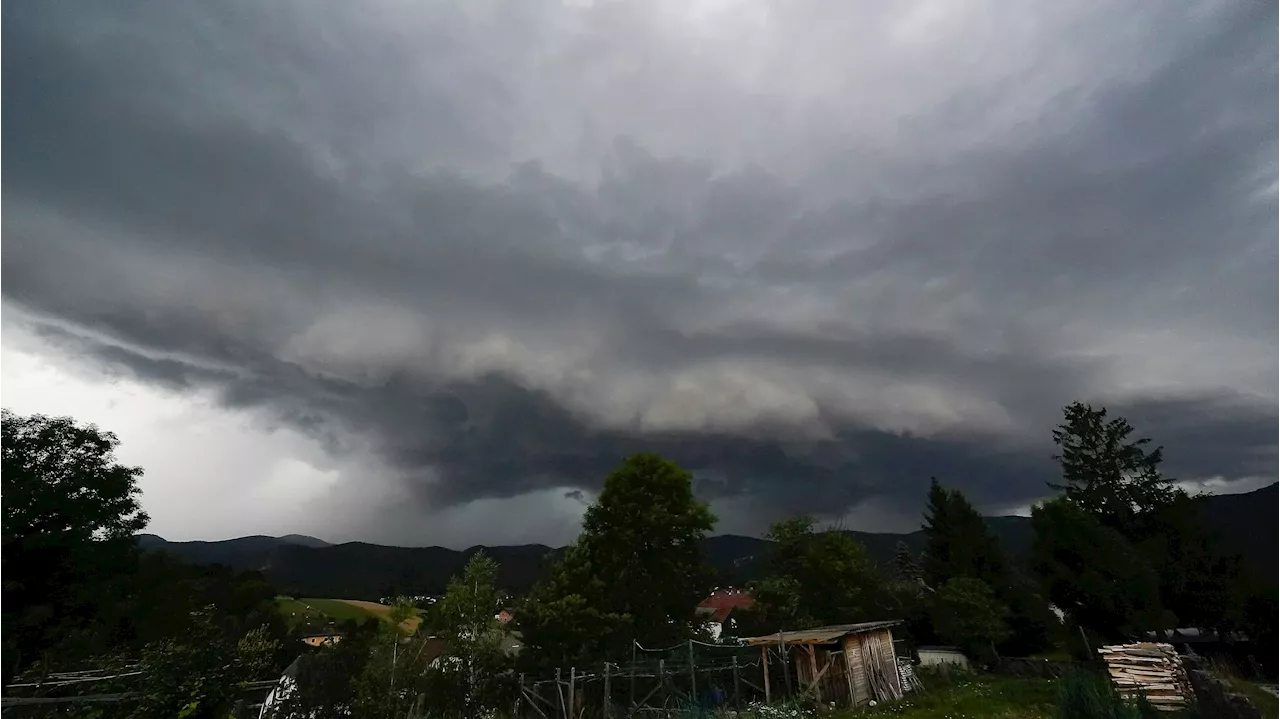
x=1093 y=573
x=474 y=680
x=636 y=571
x=70 y=513
x=968 y=614
x=814 y=578
x=1196 y=579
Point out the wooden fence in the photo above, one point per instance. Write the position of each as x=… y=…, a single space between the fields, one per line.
x=673 y=684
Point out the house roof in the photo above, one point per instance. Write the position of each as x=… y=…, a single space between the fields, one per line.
x=727 y=598
x=719 y=614
x=716 y=608
x=821 y=635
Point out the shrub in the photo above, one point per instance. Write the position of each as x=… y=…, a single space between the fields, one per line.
x=1083 y=695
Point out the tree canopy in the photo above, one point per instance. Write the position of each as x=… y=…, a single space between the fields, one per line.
x=475 y=681
x=968 y=614
x=814 y=577
x=1112 y=478
x=635 y=573
x=958 y=542
x=1092 y=572
x=960 y=545
x=70 y=512
x=1108 y=472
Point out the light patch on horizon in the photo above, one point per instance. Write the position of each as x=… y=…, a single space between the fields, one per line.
x=209 y=474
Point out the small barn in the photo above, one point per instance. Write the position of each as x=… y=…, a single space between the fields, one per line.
x=844 y=664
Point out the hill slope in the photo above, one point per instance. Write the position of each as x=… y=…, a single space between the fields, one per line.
x=1246 y=524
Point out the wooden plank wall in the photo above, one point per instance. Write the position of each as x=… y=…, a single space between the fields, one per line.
x=853 y=658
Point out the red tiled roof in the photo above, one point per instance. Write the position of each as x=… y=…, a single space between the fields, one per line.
x=722 y=603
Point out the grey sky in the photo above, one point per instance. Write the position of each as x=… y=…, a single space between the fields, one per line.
x=439 y=265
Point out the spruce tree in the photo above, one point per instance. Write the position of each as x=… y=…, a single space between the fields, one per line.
x=905 y=566
x=958 y=542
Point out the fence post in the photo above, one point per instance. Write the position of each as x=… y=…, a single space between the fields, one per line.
x=573 y=705
x=693 y=678
x=520 y=698
x=662 y=680
x=764 y=660
x=608 y=703
x=737 y=687
x=560 y=694
x=632 y=699
x=786 y=664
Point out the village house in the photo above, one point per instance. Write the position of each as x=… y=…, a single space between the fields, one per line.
x=714 y=611
x=321 y=640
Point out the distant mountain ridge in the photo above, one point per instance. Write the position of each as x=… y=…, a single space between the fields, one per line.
x=1245 y=524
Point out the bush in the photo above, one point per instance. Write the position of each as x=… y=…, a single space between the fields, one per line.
x=200 y=675
x=1082 y=695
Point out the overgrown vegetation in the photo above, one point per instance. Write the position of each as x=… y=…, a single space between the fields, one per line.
x=1083 y=695
x=1267 y=704
x=973 y=696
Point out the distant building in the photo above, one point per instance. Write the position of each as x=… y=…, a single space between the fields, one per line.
x=939 y=656
x=714 y=611
x=322 y=640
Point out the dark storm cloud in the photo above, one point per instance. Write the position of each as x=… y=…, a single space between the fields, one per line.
x=505 y=273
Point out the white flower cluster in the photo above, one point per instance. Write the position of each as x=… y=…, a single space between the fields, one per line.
x=757 y=710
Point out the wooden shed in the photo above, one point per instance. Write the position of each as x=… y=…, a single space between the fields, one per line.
x=844 y=664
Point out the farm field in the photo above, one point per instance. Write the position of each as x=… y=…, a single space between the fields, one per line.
x=382 y=612
x=321 y=611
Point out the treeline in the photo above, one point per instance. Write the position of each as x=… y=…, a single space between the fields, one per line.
x=1119 y=552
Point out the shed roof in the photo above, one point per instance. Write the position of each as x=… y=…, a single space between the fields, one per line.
x=821 y=635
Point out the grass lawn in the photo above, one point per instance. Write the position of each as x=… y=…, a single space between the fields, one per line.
x=1265 y=702
x=970 y=697
x=338 y=610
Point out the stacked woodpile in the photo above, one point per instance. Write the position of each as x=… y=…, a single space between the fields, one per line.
x=1151 y=670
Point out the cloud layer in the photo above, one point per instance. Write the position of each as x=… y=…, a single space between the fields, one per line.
x=816 y=253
